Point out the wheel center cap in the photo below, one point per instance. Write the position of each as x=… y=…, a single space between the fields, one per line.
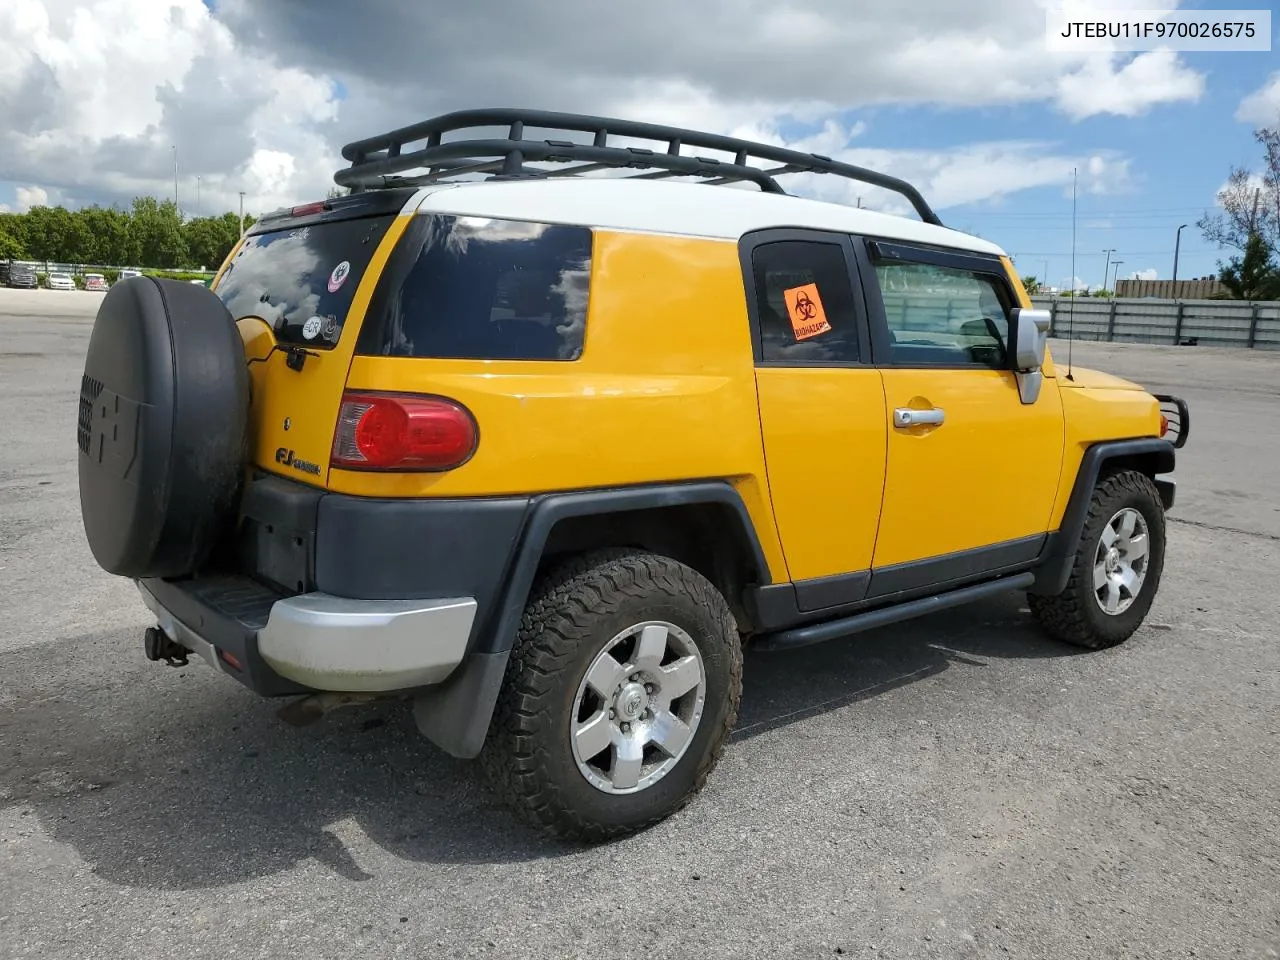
x=1113 y=560
x=631 y=702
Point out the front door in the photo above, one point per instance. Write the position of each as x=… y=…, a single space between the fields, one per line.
x=972 y=472
x=822 y=412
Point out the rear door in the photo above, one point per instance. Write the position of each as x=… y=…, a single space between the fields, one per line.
x=972 y=471
x=298 y=286
x=822 y=413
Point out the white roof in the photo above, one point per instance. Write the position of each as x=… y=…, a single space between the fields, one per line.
x=691 y=209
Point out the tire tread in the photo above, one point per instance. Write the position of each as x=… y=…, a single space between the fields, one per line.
x=558 y=615
x=1064 y=616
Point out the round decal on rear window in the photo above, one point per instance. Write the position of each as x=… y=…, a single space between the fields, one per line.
x=311 y=328
x=339 y=276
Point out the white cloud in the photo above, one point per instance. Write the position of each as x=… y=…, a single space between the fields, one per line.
x=966 y=174
x=96 y=93
x=1262 y=107
x=28 y=197
x=1149 y=79
x=1151 y=273
x=100 y=91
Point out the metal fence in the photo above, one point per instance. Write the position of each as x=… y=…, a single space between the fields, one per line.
x=1224 y=323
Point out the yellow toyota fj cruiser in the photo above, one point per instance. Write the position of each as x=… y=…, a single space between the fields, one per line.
x=542 y=452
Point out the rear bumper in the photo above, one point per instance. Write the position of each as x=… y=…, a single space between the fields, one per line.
x=314 y=641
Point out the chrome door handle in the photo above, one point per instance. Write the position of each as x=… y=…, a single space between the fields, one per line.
x=909 y=417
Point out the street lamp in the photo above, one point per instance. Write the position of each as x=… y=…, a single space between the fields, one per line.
x=1116 y=280
x=1106 y=270
x=241 y=214
x=1177 y=245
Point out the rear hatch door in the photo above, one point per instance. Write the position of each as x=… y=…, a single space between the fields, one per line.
x=298 y=287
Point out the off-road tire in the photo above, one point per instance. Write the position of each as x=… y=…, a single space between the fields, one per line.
x=1074 y=616
x=572 y=614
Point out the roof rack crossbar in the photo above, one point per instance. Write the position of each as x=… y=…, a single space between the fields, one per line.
x=375 y=161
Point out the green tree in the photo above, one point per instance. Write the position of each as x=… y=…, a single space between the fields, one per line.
x=55 y=234
x=1032 y=285
x=210 y=239
x=156 y=229
x=112 y=241
x=12 y=237
x=1254 y=276
x=1250 y=202
x=10 y=248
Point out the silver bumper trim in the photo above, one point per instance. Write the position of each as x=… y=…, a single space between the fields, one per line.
x=350 y=646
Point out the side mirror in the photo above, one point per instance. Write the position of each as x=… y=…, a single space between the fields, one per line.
x=1030 y=339
x=1030 y=336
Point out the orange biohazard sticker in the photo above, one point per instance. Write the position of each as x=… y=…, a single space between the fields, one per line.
x=804 y=307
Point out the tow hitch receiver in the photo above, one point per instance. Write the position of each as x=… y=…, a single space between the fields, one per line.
x=158 y=646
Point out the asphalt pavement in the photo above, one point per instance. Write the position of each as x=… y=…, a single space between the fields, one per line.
x=956 y=787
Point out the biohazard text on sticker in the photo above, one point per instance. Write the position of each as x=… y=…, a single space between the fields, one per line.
x=804 y=308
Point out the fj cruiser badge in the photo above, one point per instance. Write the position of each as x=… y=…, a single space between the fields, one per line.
x=285 y=458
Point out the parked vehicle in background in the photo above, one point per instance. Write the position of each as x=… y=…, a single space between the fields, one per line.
x=96 y=282
x=61 y=281
x=127 y=274
x=23 y=275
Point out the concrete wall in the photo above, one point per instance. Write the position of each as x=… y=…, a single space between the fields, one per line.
x=1227 y=323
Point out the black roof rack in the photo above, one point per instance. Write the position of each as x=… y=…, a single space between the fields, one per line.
x=377 y=162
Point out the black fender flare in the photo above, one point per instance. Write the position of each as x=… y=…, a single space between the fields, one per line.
x=1156 y=456
x=455 y=715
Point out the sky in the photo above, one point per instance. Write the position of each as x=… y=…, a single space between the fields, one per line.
x=963 y=98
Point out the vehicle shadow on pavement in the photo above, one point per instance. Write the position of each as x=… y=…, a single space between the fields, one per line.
x=177 y=779
x=787 y=686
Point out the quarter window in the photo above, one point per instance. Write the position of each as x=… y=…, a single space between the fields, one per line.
x=804 y=299
x=943 y=316
x=480 y=288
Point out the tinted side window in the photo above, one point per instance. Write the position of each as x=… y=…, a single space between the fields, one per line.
x=477 y=288
x=804 y=296
x=943 y=315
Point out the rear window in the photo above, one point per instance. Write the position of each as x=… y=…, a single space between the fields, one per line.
x=479 y=288
x=301 y=280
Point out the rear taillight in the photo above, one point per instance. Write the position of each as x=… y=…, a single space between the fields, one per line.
x=396 y=431
x=307 y=209
x=1164 y=424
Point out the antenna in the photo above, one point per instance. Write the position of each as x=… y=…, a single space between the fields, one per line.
x=1071 y=310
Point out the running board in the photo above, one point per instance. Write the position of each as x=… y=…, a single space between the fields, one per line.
x=869 y=620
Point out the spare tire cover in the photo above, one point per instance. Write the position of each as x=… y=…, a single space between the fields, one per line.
x=164 y=405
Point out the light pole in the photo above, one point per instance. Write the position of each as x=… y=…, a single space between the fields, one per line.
x=175 y=181
x=1107 y=269
x=241 y=214
x=1117 y=276
x=197 y=196
x=1177 y=245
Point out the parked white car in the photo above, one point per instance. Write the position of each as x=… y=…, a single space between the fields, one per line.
x=61 y=281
